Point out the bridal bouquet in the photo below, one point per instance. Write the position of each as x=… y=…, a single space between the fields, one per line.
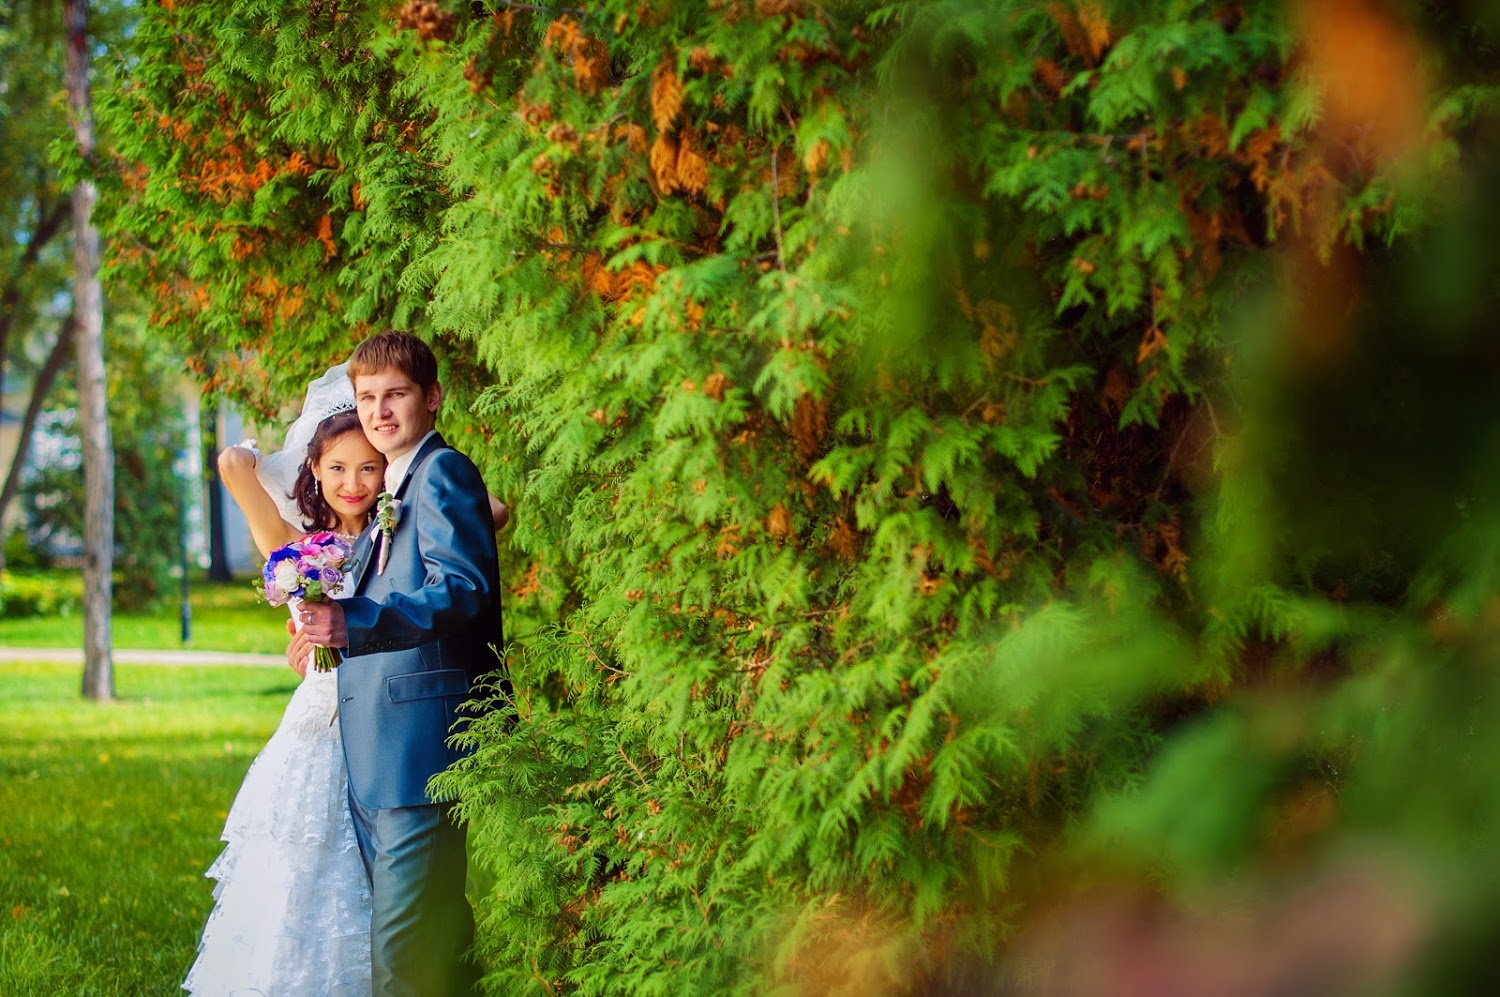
x=307 y=570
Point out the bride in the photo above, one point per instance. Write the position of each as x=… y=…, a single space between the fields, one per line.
x=291 y=913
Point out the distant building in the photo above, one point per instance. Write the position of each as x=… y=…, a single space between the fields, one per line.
x=239 y=554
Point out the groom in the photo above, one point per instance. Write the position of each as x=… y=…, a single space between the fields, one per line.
x=415 y=634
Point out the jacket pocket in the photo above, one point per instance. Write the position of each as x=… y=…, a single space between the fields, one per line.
x=427 y=685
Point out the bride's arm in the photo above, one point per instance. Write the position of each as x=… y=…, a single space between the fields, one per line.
x=267 y=528
x=499 y=513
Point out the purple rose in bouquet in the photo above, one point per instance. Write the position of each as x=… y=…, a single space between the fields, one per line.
x=306 y=570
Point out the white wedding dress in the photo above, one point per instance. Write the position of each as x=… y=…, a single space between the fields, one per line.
x=291 y=916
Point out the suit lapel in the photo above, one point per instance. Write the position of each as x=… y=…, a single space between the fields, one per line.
x=364 y=553
x=433 y=444
x=367 y=549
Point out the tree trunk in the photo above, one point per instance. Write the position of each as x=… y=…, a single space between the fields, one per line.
x=40 y=388
x=218 y=552
x=93 y=409
x=49 y=221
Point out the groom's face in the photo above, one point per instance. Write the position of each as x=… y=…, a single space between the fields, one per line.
x=394 y=411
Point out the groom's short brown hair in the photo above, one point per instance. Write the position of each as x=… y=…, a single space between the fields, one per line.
x=401 y=350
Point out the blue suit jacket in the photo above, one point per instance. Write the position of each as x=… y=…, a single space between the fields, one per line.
x=420 y=633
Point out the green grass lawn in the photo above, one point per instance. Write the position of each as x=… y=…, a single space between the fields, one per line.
x=109 y=815
x=225 y=617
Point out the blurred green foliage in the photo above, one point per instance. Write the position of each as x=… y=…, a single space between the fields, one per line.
x=146 y=401
x=963 y=455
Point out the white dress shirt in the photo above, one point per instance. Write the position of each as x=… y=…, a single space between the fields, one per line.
x=395 y=471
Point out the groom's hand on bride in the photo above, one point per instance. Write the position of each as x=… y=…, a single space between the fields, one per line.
x=323 y=624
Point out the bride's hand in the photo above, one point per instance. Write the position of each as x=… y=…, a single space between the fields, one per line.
x=298 y=650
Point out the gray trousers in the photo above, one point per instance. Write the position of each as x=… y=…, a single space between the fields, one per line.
x=422 y=926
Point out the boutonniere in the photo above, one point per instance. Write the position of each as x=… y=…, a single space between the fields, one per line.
x=387 y=516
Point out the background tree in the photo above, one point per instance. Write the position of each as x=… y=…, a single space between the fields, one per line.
x=148 y=435
x=37 y=320
x=961 y=454
x=93 y=412
x=35 y=338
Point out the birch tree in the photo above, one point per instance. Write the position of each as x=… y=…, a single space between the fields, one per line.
x=88 y=303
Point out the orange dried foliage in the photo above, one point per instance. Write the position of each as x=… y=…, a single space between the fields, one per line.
x=1163 y=546
x=1207 y=136
x=779 y=522
x=595 y=277
x=561 y=34
x=1369 y=65
x=981 y=551
x=244 y=246
x=715 y=385
x=1151 y=342
x=478 y=78
x=691 y=167
x=289 y=303
x=563 y=133
x=1210 y=229
x=816 y=157
x=728 y=543
x=225 y=175
x=591 y=66
x=634 y=137
x=587 y=56
x=999 y=334
x=702 y=60
x=530 y=582
x=298 y=165
x=1116 y=391
x=532 y=114
x=1256 y=153
x=325 y=236
x=1049 y=75
x=666 y=96
x=427 y=18
x=618 y=286
x=809 y=425
x=664 y=164
x=843 y=540
x=1307 y=192
x=1086 y=32
x=179 y=130
x=1095 y=25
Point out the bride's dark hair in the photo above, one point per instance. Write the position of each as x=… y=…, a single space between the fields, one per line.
x=318 y=513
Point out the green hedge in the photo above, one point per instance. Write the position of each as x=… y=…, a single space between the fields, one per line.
x=51 y=594
x=958 y=450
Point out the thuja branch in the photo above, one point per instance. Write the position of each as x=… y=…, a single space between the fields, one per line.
x=542 y=8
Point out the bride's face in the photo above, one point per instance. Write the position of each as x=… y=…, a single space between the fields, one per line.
x=352 y=473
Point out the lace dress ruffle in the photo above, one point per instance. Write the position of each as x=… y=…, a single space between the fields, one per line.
x=291 y=916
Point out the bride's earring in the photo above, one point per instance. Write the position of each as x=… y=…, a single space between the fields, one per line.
x=318 y=486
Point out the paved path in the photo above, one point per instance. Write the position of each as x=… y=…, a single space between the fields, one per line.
x=74 y=656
